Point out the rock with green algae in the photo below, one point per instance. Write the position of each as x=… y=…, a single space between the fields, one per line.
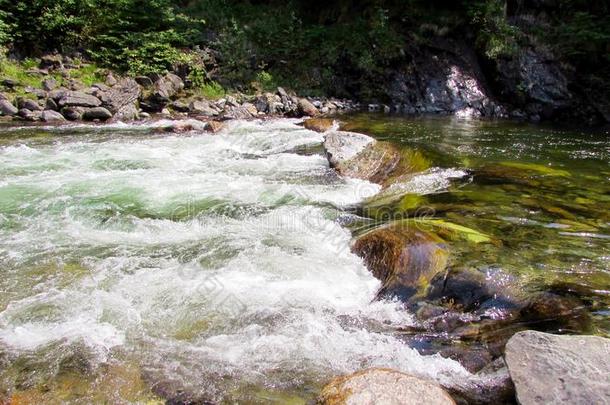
x=403 y=257
x=360 y=156
x=383 y=386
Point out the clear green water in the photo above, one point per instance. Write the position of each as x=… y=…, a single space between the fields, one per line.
x=542 y=193
x=137 y=266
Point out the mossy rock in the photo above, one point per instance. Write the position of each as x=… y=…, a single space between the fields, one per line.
x=403 y=257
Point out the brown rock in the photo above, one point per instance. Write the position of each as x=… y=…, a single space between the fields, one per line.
x=304 y=107
x=214 y=126
x=319 y=124
x=383 y=386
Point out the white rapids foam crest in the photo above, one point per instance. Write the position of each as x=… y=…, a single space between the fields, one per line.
x=266 y=281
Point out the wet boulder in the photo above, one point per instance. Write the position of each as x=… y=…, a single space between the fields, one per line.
x=319 y=124
x=402 y=257
x=382 y=386
x=549 y=368
x=343 y=146
x=556 y=313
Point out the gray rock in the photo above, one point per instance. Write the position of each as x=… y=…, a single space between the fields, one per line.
x=29 y=104
x=553 y=369
x=29 y=115
x=165 y=88
x=73 y=113
x=9 y=83
x=50 y=104
x=58 y=94
x=37 y=92
x=49 y=84
x=78 y=99
x=202 y=108
x=111 y=80
x=51 y=62
x=383 y=386
x=100 y=87
x=97 y=113
x=7 y=108
x=51 y=116
x=144 y=81
x=304 y=107
x=3 y=96
x=179 y=106
x=121 y=99
x=341 y=146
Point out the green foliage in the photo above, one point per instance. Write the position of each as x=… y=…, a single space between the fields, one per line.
x=495 y=35
x=211 y=91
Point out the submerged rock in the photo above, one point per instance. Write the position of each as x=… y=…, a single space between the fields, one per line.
x=549 y=368
x=403 y=257
x=319 y=124
x=382 y=386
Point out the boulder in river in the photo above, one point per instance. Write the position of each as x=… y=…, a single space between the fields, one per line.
x=554 y=369
x=73 y=113
x=319 y=124
x=383 y=386
x=403 y=257
x=342 y=146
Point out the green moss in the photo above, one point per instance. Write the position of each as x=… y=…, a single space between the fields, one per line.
x=88 y=74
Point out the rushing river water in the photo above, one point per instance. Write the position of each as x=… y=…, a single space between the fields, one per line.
x=138 y=265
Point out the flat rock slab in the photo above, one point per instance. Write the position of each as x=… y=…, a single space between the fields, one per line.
x=383 y=386
x=556 y=369
x=342 y=146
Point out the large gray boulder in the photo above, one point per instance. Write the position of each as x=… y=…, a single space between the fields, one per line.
x=201 y=107
x=51 y=116
x=79 y=99
x=383 y=386
x=7 y=108
x=121 y=98
x=97 y=113
x=163 y=91
x=341 y=146
x=554 y=369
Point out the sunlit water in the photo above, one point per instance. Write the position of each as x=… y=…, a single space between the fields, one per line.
x=137 y=264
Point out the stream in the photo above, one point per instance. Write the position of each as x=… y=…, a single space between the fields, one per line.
x=139 y=266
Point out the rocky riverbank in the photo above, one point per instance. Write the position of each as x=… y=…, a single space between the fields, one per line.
x=62 y=98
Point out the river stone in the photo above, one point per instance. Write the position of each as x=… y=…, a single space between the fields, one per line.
x=553 y=369
x=402 y=257
x=341 y=146
x=7 y=108
x=319 y=124
x=97 y=113
x=73 y=113
x=121 y=99
x=202 y=108
x=305 y=107
x=383 y=386
x=29 y=104
x=50 y=115
x=214 y=126
x=79 y=99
